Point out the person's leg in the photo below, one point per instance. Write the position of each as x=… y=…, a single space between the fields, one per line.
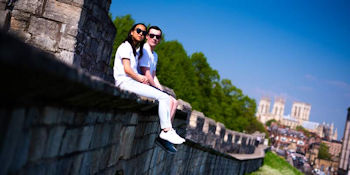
x=150 y=92
x=167 y=132
x=173 y=107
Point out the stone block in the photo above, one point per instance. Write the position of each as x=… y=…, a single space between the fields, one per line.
x=85 y=138
x=90 y=162
x=37 y=143
x=67 y=117
x=31 y=6
x=77 y=160
x=62 y=12
x=20 y=15
x=5 y=18
x=127 y=137
x=54 y=141
x=67 y=43
x=115 y=135
x=45 y=32
x=18 y=25
x=66 y=57
x=14 y=131
x=114 y=156
x=77 y=3
x=50 y=116
x=77 y=139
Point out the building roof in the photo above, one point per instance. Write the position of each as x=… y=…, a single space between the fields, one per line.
x=310 y=125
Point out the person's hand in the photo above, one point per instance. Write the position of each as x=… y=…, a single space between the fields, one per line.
x=143 y=79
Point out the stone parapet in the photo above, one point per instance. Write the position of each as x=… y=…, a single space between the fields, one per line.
x=57 y=119
x=206 y=131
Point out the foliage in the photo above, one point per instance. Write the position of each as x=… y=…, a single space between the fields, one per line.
x=305 y=131
x=323 y=152
x=194 y=81
x=275 y=165
x=268 y=123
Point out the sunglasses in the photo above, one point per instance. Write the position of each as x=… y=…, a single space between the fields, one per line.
x=139 y=31
x=153 y=35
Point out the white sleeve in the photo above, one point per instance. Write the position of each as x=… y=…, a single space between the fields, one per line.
x=144 y=61
x=125 y=51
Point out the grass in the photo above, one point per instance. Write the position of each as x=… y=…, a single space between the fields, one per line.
x=274 y=165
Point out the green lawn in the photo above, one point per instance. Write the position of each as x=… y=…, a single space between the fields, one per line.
x=274 y=165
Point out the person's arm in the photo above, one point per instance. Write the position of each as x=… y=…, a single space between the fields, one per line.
x=128 y=70
x=146 y=71
x=158 y=85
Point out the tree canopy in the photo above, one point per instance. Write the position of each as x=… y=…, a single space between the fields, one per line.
x=194 y=81
x=323 y=152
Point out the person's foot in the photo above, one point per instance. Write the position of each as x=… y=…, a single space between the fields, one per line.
x=171 y=136
x=166 y=145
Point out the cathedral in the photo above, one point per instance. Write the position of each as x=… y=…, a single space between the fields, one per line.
x=299 y=116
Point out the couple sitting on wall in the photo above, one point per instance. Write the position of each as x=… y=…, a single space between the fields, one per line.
x=135 y=70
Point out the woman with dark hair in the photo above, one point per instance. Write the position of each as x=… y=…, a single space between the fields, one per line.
x=127 y=78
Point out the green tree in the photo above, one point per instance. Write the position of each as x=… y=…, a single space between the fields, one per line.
x=323 y=152
x=123 y=24
x=268 y=123
x=302 y=129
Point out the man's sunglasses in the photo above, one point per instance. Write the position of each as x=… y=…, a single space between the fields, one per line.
x=139 y=31
x=153 y=35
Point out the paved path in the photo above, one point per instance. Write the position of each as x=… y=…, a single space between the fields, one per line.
x=258 y=153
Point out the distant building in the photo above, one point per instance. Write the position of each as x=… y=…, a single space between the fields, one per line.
x=301 y=111
x=287 y=138
x=300 y=115
x=344 y=165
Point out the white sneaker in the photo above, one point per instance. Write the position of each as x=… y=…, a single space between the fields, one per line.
x=171 y=136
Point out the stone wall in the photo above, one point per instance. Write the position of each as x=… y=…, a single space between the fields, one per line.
x=57 y=119
x=77 y=32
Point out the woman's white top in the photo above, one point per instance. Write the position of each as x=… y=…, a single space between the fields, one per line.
x=123 y=51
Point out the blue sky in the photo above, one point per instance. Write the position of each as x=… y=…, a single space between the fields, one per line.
x=299 y=50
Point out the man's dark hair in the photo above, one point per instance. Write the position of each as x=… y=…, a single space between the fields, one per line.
x=156 y=28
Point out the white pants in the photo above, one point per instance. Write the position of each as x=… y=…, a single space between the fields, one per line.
x=150 y=92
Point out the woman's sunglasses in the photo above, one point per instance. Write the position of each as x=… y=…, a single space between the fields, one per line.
x=139 y=31
x=153 y=35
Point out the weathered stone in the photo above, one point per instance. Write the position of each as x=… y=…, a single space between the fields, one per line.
x=32 y=6
x=45 y=32
x=62 y=12
x=54 y=141
x=115 y=135
x=66 y=57
x=76 y=164
x=67 y=43
x=10 y=141
x=20 y=15
x=78 y=3
x=50 y=115
x=37 y=143
x=18 y=25
x=126 y=137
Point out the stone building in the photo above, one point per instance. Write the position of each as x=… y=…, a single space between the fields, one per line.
x=288 y=138
x=344 y=165
x=301 y=111
x=334 y=147
x=300 y=115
